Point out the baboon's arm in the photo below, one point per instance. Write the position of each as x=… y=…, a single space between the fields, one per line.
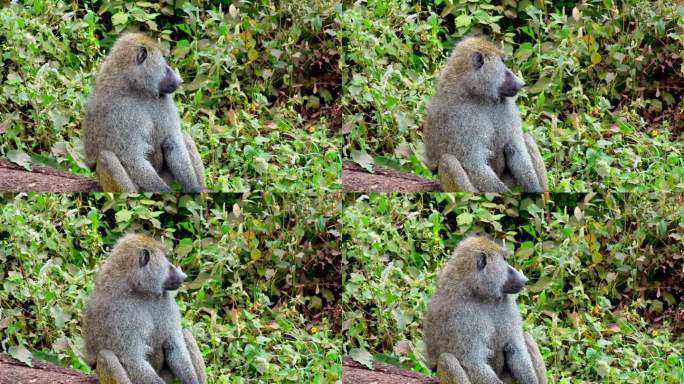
x=178 y=359
x=519 y=362
x=195 y=158
x=195 y=356
x=537 y=161
x=177 y=160
x=536 y=357
x=520 y=164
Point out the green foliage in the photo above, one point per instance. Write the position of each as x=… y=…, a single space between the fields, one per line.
x=603 y=100
x=260 y=81
x=605 y=276
x=262 y=276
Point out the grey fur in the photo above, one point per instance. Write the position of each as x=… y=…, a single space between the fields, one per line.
x=472 y=328
x=473 y=134
x=132 y=132
x=131 y=324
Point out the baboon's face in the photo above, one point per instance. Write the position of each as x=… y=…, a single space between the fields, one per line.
x=493 y=276
x=154 y=274
x=152 y=73
x=492 y=78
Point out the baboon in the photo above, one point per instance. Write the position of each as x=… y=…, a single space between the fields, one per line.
x=131 y=323
x=472 y=328
x=132 y=132
x=473 y=136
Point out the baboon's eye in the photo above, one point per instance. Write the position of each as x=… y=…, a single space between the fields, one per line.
x=478 y=60
x=144 y=257
x=142 y=55
x=481 y=261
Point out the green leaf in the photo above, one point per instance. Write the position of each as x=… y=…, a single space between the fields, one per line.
x=20 y=353
x=252 y=54
x=201 y=279
x=669 y=298
x=362 y=159
x=362 y=356
x=463 y=21
x=123 y=216
x=120 y=18
x=464 y=219
x=541 y=284
x=539 y=86
x=184 y=247
x=18 y=157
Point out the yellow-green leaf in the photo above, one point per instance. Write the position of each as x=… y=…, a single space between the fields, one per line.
x=252 y=54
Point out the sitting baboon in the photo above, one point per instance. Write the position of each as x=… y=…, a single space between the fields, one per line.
x=473 y=136
x=131 y=323
x=132 y=132
x=472 y=328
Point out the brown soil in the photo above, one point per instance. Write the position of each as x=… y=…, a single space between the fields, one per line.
x=14 y=178
x=14 y=372
x=357 y=179
x=355 y=373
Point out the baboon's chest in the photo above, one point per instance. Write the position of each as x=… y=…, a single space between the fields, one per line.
x=165 y=123
x=496 y=344
x=163 y=316
x=505 y=125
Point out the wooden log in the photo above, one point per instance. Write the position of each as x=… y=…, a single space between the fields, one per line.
x=355 y=373
x=357 y=179
x=16 y=372
x=14 y=178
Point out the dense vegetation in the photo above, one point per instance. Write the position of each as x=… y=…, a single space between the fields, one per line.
x=262 y=297
x=260 y=83
x=604 y=99
x=605 y=300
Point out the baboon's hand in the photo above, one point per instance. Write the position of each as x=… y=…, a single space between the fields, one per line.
x=178 y=161
x=520 y=164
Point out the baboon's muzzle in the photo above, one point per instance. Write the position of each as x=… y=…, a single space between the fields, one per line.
x=511 y=85
x=174 y=279
x=170 y=82
x=514 y=281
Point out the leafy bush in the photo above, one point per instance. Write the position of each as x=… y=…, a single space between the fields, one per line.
x=258 y=98
x=603 y=100
x=262 y=297
x=605 y=291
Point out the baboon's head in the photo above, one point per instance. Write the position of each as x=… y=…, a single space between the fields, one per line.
x=478 y=65
x=479 y=264
x=139 y=262
x=140 y=60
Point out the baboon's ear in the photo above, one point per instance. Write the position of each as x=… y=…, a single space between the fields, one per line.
x=141 y=56
x=478 y=60
x=481 y=261
x=144 y=257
